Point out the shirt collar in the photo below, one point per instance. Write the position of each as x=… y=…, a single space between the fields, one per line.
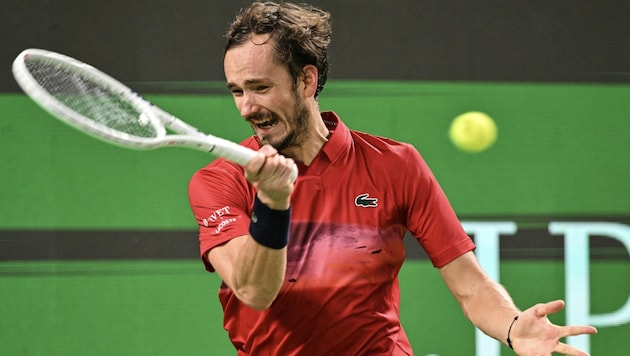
x=339 y=137
x=338 y=143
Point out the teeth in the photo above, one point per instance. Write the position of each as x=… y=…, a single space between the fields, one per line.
x=266 y=124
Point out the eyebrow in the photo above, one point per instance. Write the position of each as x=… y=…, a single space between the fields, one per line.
x=247 y=82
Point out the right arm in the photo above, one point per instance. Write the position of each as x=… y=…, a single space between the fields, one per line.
x=255 y=272
x=252 y=271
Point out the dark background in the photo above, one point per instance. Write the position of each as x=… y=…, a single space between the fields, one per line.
x=486 y=40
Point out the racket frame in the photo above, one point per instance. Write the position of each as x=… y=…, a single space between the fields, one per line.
x=186 y=135
x=52 y=105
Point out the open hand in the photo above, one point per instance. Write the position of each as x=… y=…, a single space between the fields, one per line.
x=534 y=335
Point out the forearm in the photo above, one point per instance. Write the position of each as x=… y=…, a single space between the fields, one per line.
x=484 y=302
x=490 y=308
x=258 y=274
x=254 y=265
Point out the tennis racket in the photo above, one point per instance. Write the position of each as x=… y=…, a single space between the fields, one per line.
x=99 y=105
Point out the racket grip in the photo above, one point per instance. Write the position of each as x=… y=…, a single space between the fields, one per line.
x=237 y=153
x=294 y=172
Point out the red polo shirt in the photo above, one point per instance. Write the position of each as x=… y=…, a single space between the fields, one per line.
x=349 y=212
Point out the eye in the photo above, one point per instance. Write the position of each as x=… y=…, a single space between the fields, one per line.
x=236 y=92
x=262 y=88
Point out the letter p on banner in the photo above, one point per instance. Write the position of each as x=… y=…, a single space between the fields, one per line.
x=577 y=278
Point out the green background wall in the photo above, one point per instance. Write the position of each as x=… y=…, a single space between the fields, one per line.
x=171 y=308
x=562 y=153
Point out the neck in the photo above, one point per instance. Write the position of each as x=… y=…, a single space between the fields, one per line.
x=318 y=136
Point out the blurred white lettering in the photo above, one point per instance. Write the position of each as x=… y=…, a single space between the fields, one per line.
x=577 y=264
x=577 y=277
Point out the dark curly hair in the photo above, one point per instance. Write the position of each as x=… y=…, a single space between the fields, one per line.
x=301 y=33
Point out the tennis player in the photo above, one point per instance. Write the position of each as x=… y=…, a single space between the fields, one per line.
x=311 y=267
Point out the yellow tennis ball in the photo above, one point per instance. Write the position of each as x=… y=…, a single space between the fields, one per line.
x=473 y=131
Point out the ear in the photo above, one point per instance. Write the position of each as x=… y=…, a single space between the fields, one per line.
x=310 y=80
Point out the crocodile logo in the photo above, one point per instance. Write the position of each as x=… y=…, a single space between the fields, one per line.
x=364 y=201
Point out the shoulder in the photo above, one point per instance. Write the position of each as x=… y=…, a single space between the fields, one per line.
x=400 y=163
x=383 y=147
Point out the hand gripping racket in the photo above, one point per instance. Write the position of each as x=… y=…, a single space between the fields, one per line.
x=97 y=104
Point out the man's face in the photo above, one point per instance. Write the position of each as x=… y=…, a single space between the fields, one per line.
x=265 y=95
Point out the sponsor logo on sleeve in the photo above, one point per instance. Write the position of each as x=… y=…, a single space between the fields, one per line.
x=219 y=216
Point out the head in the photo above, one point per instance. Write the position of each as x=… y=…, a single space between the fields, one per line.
x=300 y=34
x=276 y=66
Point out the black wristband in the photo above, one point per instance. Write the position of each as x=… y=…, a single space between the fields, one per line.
x=270 y=227
x=509 y=341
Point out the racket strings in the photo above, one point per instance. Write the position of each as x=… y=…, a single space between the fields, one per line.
x=91 y=99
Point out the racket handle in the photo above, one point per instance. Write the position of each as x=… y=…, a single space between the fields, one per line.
x=239 y=154
x=222 y=147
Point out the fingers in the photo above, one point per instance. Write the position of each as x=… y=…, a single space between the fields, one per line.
x=573 y=331
x=542 y=310
x=254 y=167
x=267 y=164
x=569 y=350
x=270 y=173
x=537 y=335
x=576 y=330
x=545 y=309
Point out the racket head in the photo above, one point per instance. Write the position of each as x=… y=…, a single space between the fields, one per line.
x=88 y=99
x=97 y=104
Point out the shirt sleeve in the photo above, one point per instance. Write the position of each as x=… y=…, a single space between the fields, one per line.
x=430 y=217
x=220 y=199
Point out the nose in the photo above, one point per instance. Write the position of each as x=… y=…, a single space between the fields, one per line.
x=247 y=105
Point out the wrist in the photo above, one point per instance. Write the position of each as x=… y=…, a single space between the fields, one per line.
x=275 y=204
x=509 y=340
x=270 y=227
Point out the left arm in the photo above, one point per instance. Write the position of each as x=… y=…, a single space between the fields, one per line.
x=484 y=302
x=491 y=309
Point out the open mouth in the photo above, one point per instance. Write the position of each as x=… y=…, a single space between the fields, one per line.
x=264 y=124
